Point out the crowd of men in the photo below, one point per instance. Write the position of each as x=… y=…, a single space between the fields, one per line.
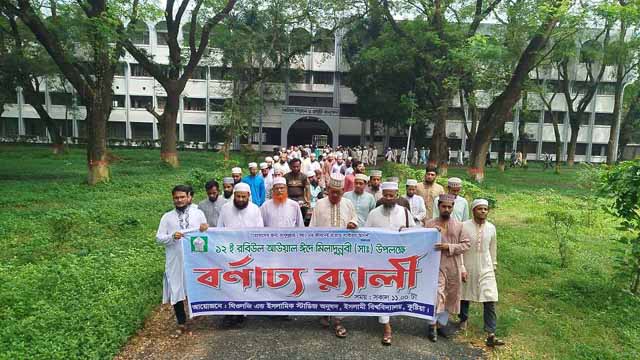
x=296 y=190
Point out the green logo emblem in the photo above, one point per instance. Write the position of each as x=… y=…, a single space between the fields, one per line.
x=199 y=244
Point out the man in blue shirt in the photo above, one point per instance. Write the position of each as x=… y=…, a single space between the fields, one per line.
x=256 y=184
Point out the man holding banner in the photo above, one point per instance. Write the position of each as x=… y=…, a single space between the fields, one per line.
x=184 y=218
x=454 y=243
x=390 y=216
x=238 y=214
x=336 y=212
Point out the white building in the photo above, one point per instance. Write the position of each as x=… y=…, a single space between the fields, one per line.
x=316 y=104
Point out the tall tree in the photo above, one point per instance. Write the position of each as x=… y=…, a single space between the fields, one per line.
x=27 y=65
x=80 y=36
x=501 y=107
x=181 y=66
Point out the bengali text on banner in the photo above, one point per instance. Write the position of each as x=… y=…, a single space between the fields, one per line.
x=312 y=271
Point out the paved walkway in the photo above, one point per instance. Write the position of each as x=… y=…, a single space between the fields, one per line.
x=301 y=338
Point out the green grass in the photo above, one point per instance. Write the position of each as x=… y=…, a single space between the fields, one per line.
x=80 y=270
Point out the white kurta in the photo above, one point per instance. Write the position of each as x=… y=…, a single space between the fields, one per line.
x=281 y=216
x=173 y=286
x=392 y=219
x=418 y=208
x=232 y=217
x=325 y=214
x=480 y=262
x=460 y=209
x=268 y=183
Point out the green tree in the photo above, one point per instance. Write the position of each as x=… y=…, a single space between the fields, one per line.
x=181 y=65
x=79 y=37
x=26 y=64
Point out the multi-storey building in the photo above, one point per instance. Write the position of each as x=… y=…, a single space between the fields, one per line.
x=317 y=103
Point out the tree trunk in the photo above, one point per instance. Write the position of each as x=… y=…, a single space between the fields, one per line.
x=573 y=141
x=168 y=137
x=438 y=151
x=57 y=142
x=97 y=115
x=556 y=133
x=617 y=108
x=497 y=113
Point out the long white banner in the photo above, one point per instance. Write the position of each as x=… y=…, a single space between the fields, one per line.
x=311 y=271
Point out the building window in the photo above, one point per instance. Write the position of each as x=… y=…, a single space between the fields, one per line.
x=140 y=34
x=141 y=102
x=604 y=119
x=61 y=98
x=194 y=104
x=216 y=105
x=348 y=110
x=606 y=89
x=323 y=77
x=162 y=33
x=138 y=70
x=199 y=73
x=116 y=130
x=141 y=130
x=120 y=68
x=118 y=101
x=218 y=73
x=559 y=116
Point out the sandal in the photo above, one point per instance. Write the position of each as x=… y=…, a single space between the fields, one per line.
x=340 y=330
x=386 y=338
x=181 y=330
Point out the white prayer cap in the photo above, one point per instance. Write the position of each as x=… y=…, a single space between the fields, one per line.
x=310 y=173
x=336 y=181
x=388 y=185
x=454 y=182
x=253 y=165
x=276 y=158
x=362 y=177
x=279 y=181
x=227 y=180
x=312 y=154
x=412 y=182
x=241 y=187
x=377 y=173
x=278 y=171
x=263 y=166
x=339 y=155
x=236 y=170
x=349 y=158
x=284 y=149
x=478 y=202
x=268 y=159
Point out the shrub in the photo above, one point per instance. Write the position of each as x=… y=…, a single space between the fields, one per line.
x=622 y=184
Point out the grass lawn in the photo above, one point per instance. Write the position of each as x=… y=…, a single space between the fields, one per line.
x=80 y=270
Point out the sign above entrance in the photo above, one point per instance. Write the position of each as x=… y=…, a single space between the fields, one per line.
x=304 y=110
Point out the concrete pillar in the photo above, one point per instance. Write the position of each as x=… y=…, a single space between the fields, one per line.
x=207 y=135
x=516 y=126
x=181 y=115
x=592 y=122
x=21 y=126
x=540 y=134
x=128 y=134
x=566 y=131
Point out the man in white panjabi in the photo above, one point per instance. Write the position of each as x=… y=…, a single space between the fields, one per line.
x=460 y=206
x=336 y=212
x=362 y=200
x=173 y=225
x=374 y=155
x=416 y=202
x=479 y=278
x=267 y=177
x=240 y=213
x=280 y=211
x=389 y=216
x=375 y=178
